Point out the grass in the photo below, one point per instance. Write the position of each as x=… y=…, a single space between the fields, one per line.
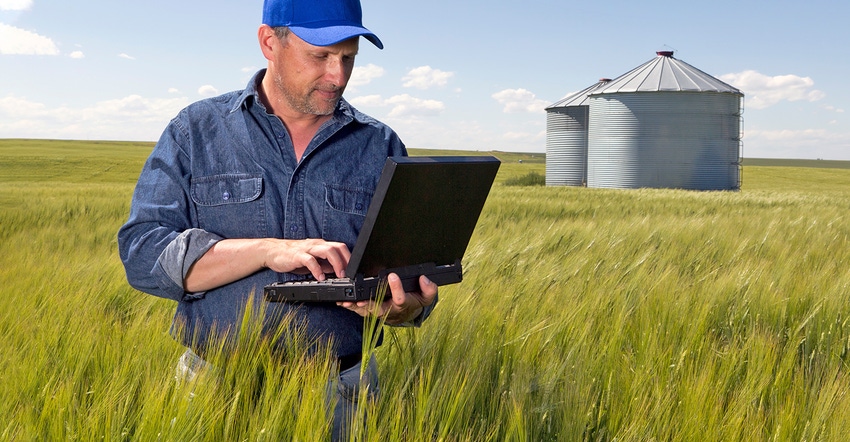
x=585 y=314
x=532 y=178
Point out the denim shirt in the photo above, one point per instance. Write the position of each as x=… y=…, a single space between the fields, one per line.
x=225 y=168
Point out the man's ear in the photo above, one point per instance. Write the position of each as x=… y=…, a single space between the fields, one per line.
x=268 y=41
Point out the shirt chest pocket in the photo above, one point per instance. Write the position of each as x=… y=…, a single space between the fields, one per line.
x=230 y=205
x=344 y=213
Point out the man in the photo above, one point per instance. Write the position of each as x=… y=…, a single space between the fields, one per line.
x=268 y=184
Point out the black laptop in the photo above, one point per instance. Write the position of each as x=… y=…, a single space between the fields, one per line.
x=419 y=222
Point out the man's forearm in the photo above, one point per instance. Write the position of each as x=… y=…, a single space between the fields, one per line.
x=230 y=260
x=227 y=261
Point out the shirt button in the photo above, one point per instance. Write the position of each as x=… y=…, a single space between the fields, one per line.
x=225 y=196
x=293 y=228
x=358 y=206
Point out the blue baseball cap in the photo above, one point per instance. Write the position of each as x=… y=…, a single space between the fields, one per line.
x=319 y=22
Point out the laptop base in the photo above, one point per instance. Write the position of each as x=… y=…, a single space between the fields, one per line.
x=360 y=288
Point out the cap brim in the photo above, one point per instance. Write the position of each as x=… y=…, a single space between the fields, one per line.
x=332 y=35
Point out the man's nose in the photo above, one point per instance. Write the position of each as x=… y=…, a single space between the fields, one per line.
x=337 y=72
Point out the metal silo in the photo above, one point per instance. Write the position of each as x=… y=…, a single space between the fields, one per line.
x=566 y=139
x=665 y=124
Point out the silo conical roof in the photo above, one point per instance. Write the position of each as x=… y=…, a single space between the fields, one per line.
x=665 y=73
x=579 y=98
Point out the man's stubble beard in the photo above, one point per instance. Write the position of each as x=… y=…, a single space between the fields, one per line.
x=303 y=104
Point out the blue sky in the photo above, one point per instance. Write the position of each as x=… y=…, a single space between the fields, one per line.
x=454 y=74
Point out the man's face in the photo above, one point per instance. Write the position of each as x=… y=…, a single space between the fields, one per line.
x=311 y=79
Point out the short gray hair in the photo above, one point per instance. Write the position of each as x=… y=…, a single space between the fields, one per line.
x=282 y=32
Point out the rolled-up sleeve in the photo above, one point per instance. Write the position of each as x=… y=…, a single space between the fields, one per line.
x=177 y=258
x=159 y=242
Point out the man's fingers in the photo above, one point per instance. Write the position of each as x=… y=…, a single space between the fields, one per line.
x=396 y=289
x=400 y=307
x=335 y=255
x=429 y=290
x=314 y=256
x=312 y=264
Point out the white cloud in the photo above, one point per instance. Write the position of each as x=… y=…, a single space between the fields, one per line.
x=77 y=55
x=368 y=101
x=15 y=5
x=805 y=143
x=520 y=100
x=405 y=105
x=173 y=90
x=364 y=75
x=16 y=41
x=524 y=138
x=22 y=107
x=402 y=105
x=462 y=134
x=425 y=77
x=126 y=57
x=434 y=133
x=517 y=135
x=762 y=91
x=132 y=118
x=207 y=91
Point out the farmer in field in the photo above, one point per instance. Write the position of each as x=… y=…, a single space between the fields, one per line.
x=234 y=195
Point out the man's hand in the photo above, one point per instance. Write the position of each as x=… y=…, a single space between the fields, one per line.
x=314 y=256
x=233 y=259
x=402 y=306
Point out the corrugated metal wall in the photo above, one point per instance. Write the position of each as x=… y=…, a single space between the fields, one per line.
x=566 y=146
x=686 y=140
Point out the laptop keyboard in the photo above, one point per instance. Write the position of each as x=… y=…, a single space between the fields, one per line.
x=329 y=281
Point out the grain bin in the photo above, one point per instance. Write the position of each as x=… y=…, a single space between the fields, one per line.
x=566 y=139
x=665 y=124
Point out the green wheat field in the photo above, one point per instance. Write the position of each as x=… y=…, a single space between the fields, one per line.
x=584 y=315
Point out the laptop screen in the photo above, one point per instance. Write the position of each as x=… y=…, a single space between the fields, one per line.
x=424 y=211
